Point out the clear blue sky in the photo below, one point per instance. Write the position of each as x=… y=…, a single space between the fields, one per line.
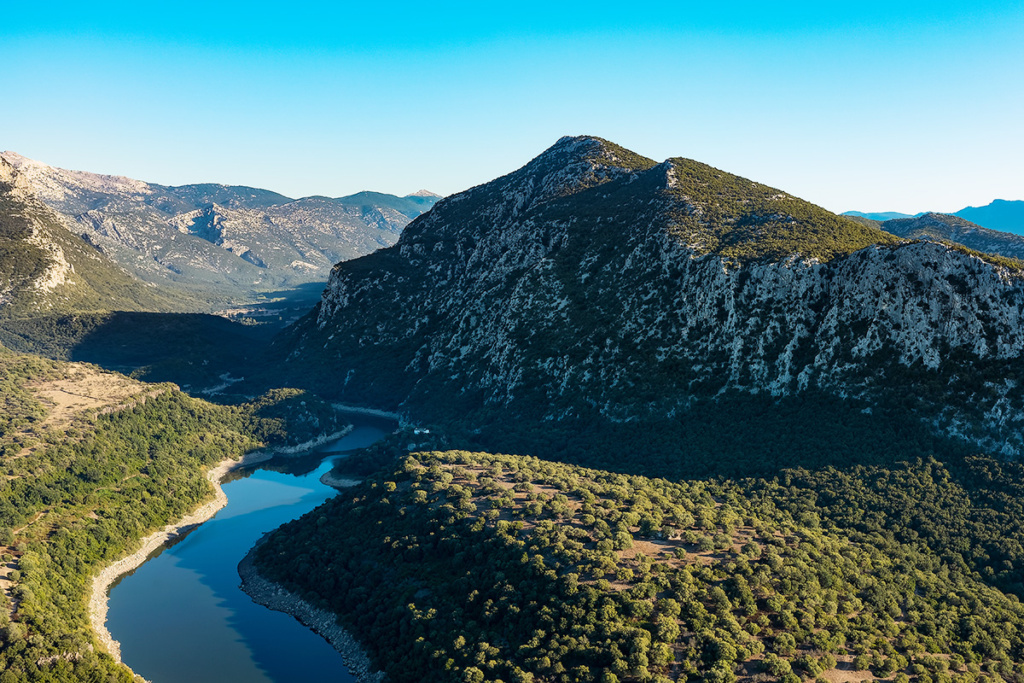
x=875 y=105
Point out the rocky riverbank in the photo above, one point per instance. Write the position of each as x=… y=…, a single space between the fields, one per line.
x=269 y=594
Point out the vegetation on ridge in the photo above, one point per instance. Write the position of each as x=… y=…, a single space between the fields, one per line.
x=720 y=213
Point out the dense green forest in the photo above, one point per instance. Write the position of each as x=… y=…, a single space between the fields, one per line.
x=461 y=566
x=78 y=497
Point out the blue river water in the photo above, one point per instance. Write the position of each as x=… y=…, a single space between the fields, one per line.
x=181 y=616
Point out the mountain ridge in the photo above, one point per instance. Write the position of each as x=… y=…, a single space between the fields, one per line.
x=218 y=241
x=1005 y=215
x=953 y=228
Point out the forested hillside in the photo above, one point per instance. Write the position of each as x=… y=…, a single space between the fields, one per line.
x=461 y=566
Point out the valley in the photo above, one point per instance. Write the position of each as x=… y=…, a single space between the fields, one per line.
x=653 y=422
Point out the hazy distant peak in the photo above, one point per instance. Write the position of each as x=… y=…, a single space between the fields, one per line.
x=997 y=203
x=879 y=215
x=424 y=193
x=1000 y=214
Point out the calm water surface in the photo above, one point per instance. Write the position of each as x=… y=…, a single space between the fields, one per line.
x=182 y=617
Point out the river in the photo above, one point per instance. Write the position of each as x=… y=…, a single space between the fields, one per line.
x=181 y=615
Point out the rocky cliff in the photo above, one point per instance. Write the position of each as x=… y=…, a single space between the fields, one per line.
x=594 y=280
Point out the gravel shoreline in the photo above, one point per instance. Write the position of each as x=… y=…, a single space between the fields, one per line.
x=271 y=595
x=98 y=600
x=330 y=479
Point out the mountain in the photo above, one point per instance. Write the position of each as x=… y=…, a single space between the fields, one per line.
x=228 y=242
x=944 y=227
x=44 y=269
x=999 y=215
x=62 y=297
x=596 y=287
x=878 y=216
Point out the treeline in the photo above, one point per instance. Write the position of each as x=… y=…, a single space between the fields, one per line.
x=735 y=435
x=458 y=566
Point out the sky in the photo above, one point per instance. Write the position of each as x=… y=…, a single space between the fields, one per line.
x=873 y=106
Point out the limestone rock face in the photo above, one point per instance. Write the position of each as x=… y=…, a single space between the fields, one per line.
x=593 y=278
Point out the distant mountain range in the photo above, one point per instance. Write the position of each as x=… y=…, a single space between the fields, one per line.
x=1001 y=214
x=882 y=216
x=945 y=227
x=596 y=285
x=217 y=241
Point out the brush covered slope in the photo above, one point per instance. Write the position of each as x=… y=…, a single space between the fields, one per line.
x=595 y=286
x=215 y=239
x=461 y=566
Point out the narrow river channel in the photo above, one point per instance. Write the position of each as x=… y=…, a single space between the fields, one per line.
x=182 y=617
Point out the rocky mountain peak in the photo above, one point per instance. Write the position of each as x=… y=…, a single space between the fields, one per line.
x=580 y=180
x=576 y=163
x=592 y=281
